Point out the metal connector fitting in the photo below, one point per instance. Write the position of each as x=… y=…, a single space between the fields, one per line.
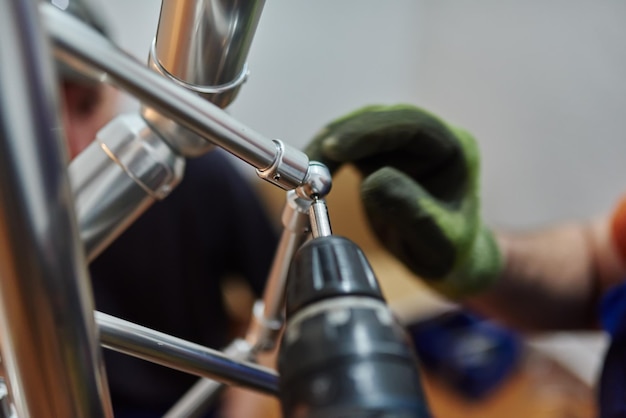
x=202 y=45
x=317 y=182
x=119 y=176
x=130 y=142
x=221 y=95
x=295 y=216
x=290 y=166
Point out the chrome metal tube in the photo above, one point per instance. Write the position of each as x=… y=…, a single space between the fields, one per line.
x=203 y=44
x=268 y=315
x=47 y=332
x=197 y=400
x=118 y=176
x=200 y=397
x=76 y=44
x=157 y=347
x=320 y=220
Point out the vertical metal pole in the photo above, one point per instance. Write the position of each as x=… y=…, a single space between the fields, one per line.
x=204 y=44
x=47 y=329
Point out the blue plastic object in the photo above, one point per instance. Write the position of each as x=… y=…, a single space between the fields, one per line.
x=472 y=355
x=613 y=378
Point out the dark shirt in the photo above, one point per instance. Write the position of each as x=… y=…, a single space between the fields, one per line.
x=164 y=272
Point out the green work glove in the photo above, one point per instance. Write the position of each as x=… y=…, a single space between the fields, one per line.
x=420 y=192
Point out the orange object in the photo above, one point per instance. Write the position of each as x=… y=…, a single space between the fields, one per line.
x=618 y=228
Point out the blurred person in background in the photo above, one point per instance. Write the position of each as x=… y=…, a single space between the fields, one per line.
x=166 y=271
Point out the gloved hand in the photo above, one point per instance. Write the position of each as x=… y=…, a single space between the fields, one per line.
x=420 y=192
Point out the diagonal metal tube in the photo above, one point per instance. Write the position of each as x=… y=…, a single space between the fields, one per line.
x=157 y=347
x=201 y=396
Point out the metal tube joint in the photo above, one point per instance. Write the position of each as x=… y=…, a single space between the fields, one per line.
x=117 y=177
x=130 y=142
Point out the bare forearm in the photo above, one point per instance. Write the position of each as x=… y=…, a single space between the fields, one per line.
x=552 y=279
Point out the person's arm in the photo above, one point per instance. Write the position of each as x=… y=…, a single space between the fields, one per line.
x=553 y=278
x=421 y=194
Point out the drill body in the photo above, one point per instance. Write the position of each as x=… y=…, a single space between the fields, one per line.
x=343 y=354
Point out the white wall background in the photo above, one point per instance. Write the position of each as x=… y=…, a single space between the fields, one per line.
x=542 y=84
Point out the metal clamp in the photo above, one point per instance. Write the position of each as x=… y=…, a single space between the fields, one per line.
x=271 y=173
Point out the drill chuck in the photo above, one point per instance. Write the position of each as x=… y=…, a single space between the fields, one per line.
x=343 y=354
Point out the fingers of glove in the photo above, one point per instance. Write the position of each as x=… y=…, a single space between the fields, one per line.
x=453 y=180
x=315 y=151
x=386 y=131
x=448 y=181
x=485 y=263
x=447 y=247
x=481 y=268
x=411 y=223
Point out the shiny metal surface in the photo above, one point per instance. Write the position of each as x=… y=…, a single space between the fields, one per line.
x=203 y=44
x=268 y=316
x=201 y=396
x=182 y=140
x=118 y=177
x=47 y=332
x=157 y=347
x=286 y=163
x=320 y=220
x=197 y=400
x=75 y=43
x=317 y=183
x=179 y=138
